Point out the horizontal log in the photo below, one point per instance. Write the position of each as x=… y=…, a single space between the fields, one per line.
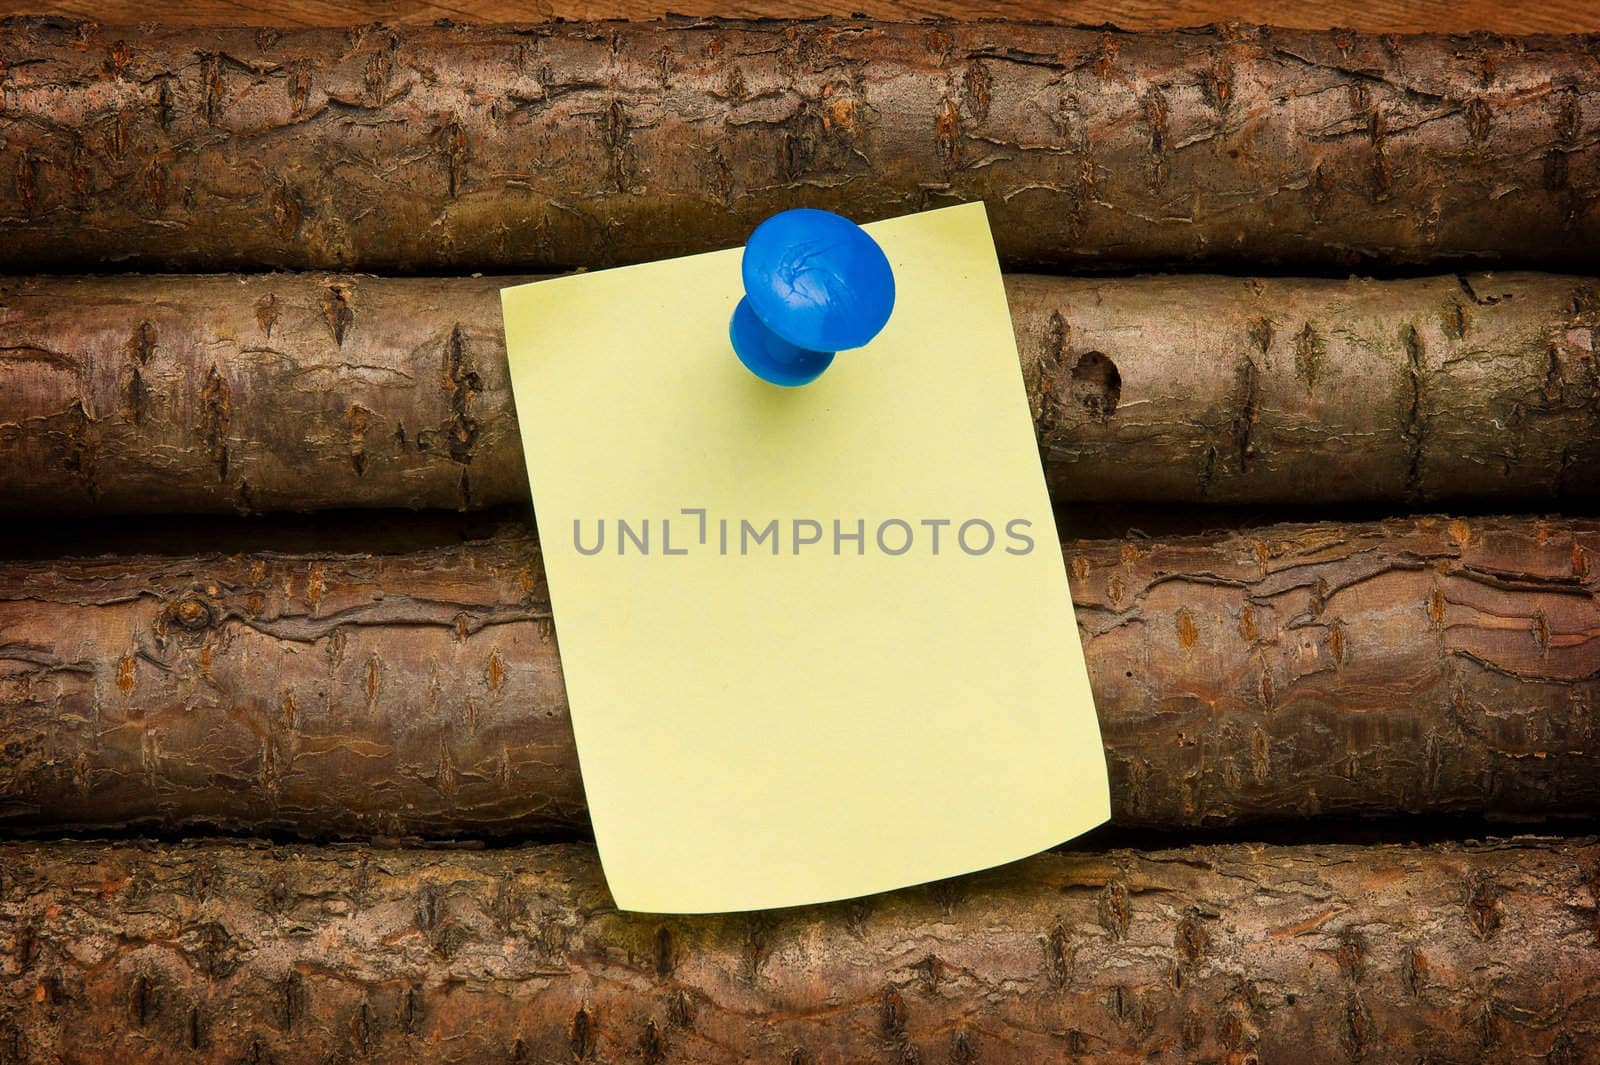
x=454 y=148
x=1426 y=665
x=268 y=392
x=1315 y=954
x=1397 y=16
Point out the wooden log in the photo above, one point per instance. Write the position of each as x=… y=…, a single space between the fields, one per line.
x=1395 y=16
x=1424 y=665
x=453 y=148
x=1315 y=954
x=268 y=392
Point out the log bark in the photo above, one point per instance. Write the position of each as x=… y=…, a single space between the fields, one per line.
x=269 y=392
x=1425 y=665
x=1320 y=953
x=1389 y=16
x=453 y=148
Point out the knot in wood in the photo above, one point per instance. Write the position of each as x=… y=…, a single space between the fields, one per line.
x=191 y=612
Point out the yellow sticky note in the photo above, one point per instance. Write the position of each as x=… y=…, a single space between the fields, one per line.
x=817 y=642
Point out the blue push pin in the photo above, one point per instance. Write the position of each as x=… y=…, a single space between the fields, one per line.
x=814 y=283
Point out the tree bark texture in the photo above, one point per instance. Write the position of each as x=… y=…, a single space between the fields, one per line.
x=1322 y=953
x=267 y=392
x=1425 y=665
x=1386 y=16
x=454 y=148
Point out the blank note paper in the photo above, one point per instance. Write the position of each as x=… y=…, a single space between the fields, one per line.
x=817 y=642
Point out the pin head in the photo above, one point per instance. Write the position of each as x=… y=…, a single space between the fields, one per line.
x=815 y=283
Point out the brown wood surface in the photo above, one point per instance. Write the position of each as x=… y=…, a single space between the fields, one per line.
x=1420 y=665
x=571 y=144
x=305 y=392
x=240 y=955
x=1387 y=16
